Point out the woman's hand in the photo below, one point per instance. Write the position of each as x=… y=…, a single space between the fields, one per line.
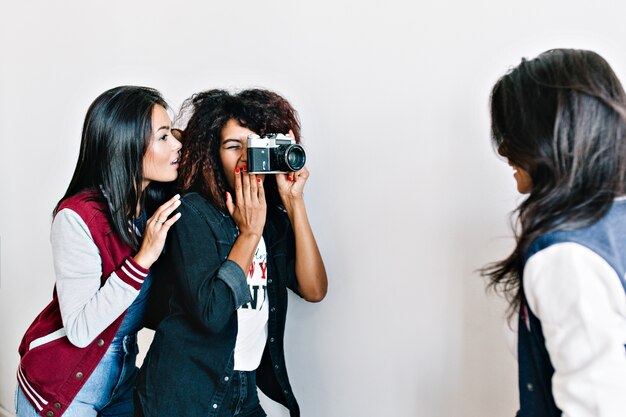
x=248 y=212
x=249 y=208
x=156 y=232
x=291 y=186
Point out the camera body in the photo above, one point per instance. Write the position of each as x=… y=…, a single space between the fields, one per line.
x=274 y=153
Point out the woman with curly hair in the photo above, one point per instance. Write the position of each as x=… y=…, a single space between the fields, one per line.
x=560 y=121
x=242 y=240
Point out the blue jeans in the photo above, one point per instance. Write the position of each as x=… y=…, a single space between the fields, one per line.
x=109 y=390
x=242 y=398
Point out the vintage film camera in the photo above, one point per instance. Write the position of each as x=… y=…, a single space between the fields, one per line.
x=274 y=153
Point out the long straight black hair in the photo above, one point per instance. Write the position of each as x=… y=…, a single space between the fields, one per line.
x=116 y=134
x=560 y=117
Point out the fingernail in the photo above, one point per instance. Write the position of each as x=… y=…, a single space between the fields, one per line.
x=289 y=179
x=245 y=167
x=258 y=179
x=226 y=194
x=236 y=170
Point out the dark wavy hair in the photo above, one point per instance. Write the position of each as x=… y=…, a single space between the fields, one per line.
x=561 y=117
x=116 y=134
x=259 y=110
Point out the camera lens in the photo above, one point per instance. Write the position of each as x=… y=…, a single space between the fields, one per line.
x=295 y=157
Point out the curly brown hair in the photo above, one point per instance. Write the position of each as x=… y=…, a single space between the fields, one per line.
x=259 y=110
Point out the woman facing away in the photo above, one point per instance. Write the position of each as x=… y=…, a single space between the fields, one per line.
x=78 y=356
x=559 y=120
x=243 y=239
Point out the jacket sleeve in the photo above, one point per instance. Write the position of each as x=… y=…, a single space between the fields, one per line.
x=87 y=308
x=211 y=287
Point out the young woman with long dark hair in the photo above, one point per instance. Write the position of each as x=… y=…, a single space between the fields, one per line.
x=242 y=241
x=78 y=356
x=560 y=121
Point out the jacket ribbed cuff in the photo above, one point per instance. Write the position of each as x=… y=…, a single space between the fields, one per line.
x=132 y=273
x=232 y=274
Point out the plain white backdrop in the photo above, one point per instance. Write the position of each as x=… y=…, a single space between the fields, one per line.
x=407 y=197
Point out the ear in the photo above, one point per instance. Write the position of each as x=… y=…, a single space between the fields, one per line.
x=177 y=133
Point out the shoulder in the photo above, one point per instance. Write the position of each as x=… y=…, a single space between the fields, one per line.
x=565 y=255
x=595 y=236
x=89 y=205
x=198 y=204
x=544 y=242
x=68 y=218
x=584 y=236
x=569 y=272
x=198 y=213
x=194 y=199
x=69 y=228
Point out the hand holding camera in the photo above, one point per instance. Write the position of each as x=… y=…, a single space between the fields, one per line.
x=291 y=185
x=279 y=154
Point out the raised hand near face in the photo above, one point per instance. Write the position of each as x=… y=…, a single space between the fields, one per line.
x=156 y=232
x=249 y=208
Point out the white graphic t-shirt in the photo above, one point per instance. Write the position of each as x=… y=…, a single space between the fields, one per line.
x=252 y=317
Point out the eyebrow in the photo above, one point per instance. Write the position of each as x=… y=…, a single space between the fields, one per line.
x=163 y=127
x=231 y=140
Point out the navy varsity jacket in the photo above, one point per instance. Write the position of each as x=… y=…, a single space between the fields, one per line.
x=607 y=238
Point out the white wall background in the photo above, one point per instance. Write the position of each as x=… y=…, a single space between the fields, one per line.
x=406 y=197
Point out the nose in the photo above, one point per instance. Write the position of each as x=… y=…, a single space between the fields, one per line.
x=177 y=145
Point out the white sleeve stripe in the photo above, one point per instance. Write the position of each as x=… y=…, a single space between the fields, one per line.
x=135 y=269
x=28 y=389
x=48 y=338
x=31 y=388
x=131 y=275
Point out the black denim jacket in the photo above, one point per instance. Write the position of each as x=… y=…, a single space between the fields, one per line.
x=190 y=362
